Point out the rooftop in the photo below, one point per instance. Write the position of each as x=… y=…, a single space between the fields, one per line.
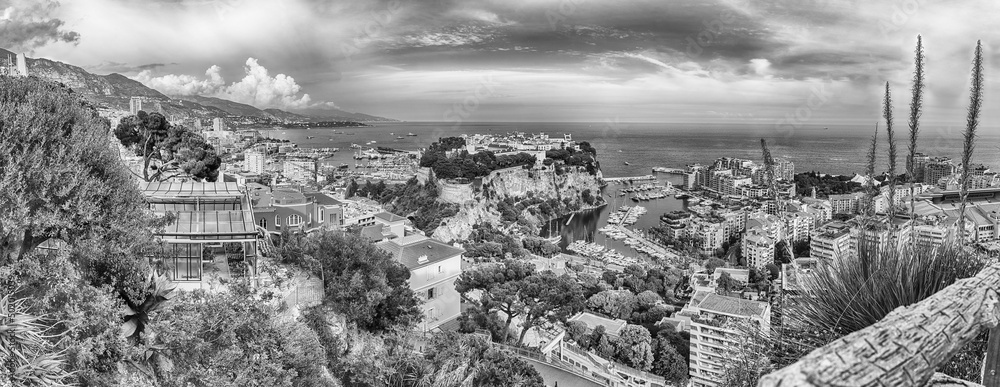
x=612 y=327
x=211 y=225
x=732 y=306
x=389 y=217
x=175 y=189
x=410 y=254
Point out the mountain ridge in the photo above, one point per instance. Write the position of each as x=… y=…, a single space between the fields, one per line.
x=114 y=91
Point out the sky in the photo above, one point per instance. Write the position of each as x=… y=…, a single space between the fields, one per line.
x=782 y=63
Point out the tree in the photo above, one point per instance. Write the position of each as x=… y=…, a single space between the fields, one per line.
x=712 y=263
x=352 y=189
x=634 y=347
x=614 y=303
x=726 y=283
x=362 y=281
x=61 y=180
x=501 y=288
x=670 y=364
x=468 y=360
x=168 y=150
x=233 y=339
x=549 y=298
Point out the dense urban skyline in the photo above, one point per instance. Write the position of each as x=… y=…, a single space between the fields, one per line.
x=568 y=60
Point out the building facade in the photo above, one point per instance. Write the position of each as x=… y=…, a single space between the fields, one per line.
x=434 y=266
x=714 y=319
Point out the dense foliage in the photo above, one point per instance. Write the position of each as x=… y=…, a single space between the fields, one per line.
x=462 y=164
x=515 y=289
x=60 y=178
x=362 y=282
x=232 y=338
x=487 y=243
x=168 y=150
x=414 y=200
x=586 y=157
x=826 y=185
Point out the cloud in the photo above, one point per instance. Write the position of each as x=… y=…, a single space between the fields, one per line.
x=172 y=84
x=257 y=88
x=28 y=24
x=117 y=67
x=761 y=66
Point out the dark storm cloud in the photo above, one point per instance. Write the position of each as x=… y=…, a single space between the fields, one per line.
x=29 y=24
x=124 y=68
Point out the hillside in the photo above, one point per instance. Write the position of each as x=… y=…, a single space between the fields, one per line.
x=286 y=116
x=332 y=114
x=113 y=91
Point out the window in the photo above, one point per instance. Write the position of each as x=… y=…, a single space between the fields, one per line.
x=439 y=269
x=263 y=222
x=430 y=294
x=294 y=220
x=276 y=221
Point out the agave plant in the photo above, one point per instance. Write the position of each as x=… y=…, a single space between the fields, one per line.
x=29 y=354
x=159 y=290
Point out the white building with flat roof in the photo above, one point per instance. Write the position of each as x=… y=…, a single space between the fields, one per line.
x=254 y=161
x=713 y=335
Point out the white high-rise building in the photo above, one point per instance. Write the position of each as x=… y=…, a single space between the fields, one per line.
x=218 y=124
x=254 y=161
x=715 y=332
x=758 y=248
x=135 y=105
x=22 y=65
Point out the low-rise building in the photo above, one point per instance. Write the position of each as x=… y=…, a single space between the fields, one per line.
x=293 y=208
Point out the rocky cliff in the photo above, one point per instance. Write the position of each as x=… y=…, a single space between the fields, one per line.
x=517 y=184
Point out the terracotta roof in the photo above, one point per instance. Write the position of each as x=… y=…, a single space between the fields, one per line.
x=410 y=254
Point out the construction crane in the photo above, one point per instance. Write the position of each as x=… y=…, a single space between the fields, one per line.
x=772 y=182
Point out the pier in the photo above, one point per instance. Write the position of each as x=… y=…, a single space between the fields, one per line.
x=670 y=255
x=626 y=179
x=672 y=171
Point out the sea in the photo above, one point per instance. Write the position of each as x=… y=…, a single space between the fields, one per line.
x=825 y=149
x=633 y=149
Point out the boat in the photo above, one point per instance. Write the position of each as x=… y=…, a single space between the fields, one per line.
x=399 y=137
x=344 y=166
x=681 y=196
x=411 y=135
x=626 y=163
x=310 y=137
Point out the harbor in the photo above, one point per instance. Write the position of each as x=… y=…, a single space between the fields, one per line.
x=614 y=234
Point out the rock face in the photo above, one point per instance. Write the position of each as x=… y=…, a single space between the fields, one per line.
x=516 y=183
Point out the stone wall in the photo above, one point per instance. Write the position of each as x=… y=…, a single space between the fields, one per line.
x=452 y=192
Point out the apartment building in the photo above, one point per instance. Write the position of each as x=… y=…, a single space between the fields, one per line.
x=714 y=319
x=758 y=248
x=831 y=242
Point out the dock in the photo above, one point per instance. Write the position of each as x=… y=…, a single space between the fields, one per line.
x=629 y=179
x=671 y=255
x=672 y=171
